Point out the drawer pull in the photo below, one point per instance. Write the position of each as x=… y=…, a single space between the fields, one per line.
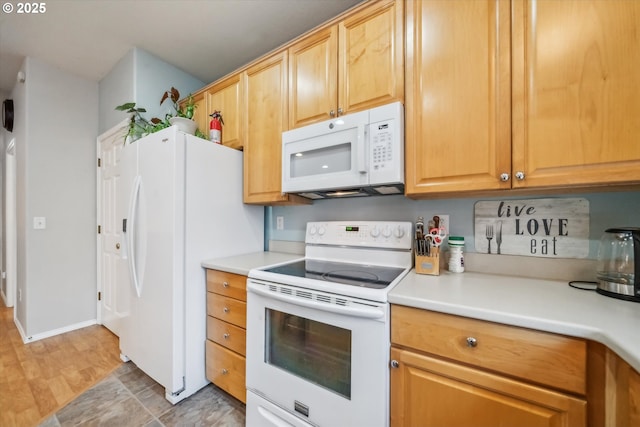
x=225 y=372
x=472 y=342
x=226 y=309
x=225 y=284
x=226 y=336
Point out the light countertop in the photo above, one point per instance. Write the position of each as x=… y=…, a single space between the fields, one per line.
x=241 y=264
x=545 y=305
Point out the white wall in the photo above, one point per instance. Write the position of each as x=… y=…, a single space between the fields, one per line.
x=142 y=78
x=115 y=89
x=56 y=129
x=153 y=77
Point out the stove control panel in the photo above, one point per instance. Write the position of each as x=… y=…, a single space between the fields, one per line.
x=382 y=234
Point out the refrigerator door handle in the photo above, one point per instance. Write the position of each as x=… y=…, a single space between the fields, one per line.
x=131 y=234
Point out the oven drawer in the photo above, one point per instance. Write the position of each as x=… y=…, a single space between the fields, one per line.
x=546 y=358
x=229 y=284
x=226 y=369
x=228 y=309
x=228 y=335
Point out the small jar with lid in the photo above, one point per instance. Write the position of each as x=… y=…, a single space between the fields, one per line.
x=456 y=255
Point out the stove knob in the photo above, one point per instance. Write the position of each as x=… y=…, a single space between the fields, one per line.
x=375 y=232
x=312 y=230
x=321 y=230
x=386 y=232
x=399 y=232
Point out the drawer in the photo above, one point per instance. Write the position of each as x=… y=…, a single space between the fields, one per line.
x=228 y=335
x=554 y=360
x=229 y=284
x=228 y=309
x=226 y=369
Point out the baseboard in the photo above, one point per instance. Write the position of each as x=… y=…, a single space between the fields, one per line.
x=29 y=339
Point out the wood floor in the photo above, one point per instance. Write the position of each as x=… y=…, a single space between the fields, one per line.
x=39 y=378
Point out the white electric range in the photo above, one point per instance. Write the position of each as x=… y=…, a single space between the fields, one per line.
x=318 y=332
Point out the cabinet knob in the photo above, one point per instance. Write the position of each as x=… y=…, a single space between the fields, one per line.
x=225 y=284
x=225 y=372
x=395 y=364
x=520 y=175
x=472 y=342
x=226 y=336
x=117 y=245
x=226 y=309
x=504 y=177
x=340 y=111
x=332 y=113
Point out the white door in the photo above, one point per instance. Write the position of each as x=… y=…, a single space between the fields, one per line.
x=11 y=268
x=113 y=303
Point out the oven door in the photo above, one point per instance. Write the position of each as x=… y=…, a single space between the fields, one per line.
x=325 y=156
x=323 y=359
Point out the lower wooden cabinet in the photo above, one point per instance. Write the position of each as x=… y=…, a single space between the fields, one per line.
x=428 y=391
x=226 y=332
x=454 y=371
x=226 y=369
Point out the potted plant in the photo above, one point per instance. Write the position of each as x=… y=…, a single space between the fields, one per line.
x=183 y=117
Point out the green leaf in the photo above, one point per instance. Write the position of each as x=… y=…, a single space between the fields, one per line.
x=127 y=106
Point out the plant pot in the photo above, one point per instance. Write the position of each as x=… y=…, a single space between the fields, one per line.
x=184 y=124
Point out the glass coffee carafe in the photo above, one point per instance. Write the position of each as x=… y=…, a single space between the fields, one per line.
x=617 y=266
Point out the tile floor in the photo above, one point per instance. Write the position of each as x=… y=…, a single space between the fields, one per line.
x=129 y=397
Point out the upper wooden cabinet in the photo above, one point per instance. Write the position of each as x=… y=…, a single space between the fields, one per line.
x=521 y=94
x=265 y=109
x=457 y=107
x=226 y=97
x=355 y=64
x=576 y=92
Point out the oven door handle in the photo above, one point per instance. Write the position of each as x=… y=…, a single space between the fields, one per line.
x=364 y=312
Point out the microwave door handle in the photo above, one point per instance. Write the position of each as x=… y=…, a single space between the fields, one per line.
x=361 y=148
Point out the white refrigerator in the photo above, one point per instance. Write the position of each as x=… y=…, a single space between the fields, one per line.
x=184 y=206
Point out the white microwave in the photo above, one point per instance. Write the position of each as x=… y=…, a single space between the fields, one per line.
x=358 y=154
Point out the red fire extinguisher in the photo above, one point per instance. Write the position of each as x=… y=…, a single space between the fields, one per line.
x=215 y=127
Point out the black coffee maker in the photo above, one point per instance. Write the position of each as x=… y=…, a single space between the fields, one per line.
x=618 y=267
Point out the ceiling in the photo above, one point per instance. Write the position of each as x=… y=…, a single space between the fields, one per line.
x=205 y=38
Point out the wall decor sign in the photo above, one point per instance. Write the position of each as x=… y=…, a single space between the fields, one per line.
x=552 y=228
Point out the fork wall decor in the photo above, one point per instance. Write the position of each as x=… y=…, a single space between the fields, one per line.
x=550 y=227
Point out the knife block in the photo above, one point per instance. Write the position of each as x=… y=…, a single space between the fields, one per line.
x=428 y=264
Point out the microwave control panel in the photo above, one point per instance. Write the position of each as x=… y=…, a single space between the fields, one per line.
x=386 y=154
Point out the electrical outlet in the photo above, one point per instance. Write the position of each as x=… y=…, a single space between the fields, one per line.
x=39 y=223
x=279 y=223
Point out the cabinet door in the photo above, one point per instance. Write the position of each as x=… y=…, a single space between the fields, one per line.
x=226 y=97
x=458 y=110
x=266 y=112
x=313 y=75
x=371 y=57
x=426 y=391
x=265 y=107
x=576 y=92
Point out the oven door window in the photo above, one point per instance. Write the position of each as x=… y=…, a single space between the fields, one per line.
x=315 y=351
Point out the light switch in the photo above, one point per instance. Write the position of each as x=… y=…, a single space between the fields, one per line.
x=39 y=223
